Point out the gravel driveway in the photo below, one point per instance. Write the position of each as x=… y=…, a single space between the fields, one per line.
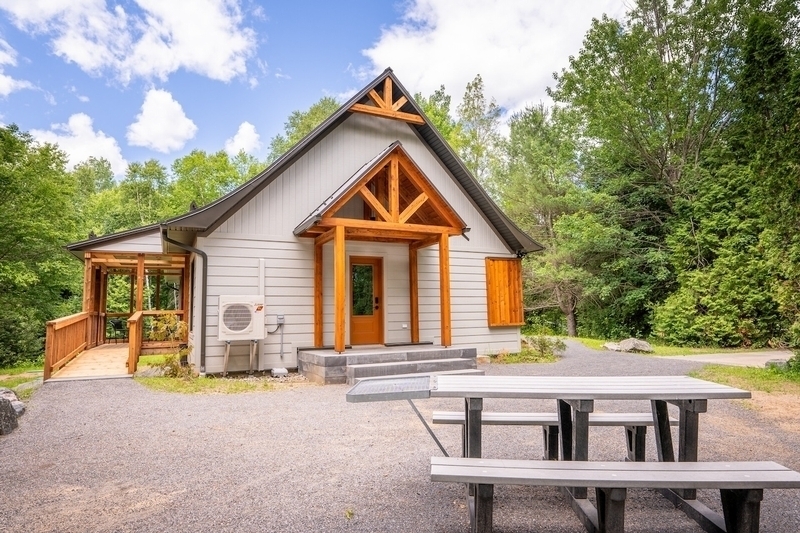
x=115 y=456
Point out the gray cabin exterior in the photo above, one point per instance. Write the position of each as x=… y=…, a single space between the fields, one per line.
x=377 y=187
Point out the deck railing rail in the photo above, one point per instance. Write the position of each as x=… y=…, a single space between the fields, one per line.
x=66 y=337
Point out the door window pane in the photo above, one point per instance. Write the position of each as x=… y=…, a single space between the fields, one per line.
x=362 y=290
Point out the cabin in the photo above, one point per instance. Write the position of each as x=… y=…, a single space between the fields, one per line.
x=368 y=236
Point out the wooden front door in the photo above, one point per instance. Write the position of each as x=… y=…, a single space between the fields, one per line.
x=366 y=300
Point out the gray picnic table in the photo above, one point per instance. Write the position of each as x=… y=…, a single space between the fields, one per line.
x=575 y=397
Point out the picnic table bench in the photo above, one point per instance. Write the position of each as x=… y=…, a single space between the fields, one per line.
x=741 y=486
x=635 y=425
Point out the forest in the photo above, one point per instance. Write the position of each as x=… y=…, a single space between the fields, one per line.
x=663 y=181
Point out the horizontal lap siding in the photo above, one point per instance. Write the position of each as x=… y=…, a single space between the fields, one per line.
x=263 y=228
x=233 y=266
x=468 y=306
x=149 y=243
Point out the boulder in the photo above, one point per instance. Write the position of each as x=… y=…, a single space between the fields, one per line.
x=8 y=417
x=635 y=345
x=780 y=364
x=613 y=346
x=11 y=396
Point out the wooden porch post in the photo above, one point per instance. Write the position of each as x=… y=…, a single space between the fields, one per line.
x=318 y=338
x=101 y=321
x=140 y=284
x=413 y=274
x=88 y=301
x=339 y=284
x=444 y=287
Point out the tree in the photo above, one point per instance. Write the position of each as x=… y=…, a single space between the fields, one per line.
x=437 y=108
x=200 y=178
x=655 y=94
x=142 y=193
x=540 y=188
x=478 y=123
x=37 y=217
x=299 y=124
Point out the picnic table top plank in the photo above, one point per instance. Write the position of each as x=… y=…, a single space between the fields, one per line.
x=583 y=388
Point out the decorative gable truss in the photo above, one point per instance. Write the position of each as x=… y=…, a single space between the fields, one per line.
x=400 y=205
x=384 y=105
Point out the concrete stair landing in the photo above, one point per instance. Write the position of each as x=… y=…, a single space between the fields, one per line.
x=329 y=367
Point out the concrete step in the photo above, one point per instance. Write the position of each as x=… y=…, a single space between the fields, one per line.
x=425 y=366
x=399 y=354
x=466 y=371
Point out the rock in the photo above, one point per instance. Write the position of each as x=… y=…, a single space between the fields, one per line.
x=613 y=346
x=635 y=345
x=8 y=417
x=779 y=364
x=11 y=396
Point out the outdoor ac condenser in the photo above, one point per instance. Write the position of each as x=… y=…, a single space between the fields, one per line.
x=241 y=318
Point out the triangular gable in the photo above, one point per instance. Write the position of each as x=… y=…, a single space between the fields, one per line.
x=384 y=97
x=396 y=194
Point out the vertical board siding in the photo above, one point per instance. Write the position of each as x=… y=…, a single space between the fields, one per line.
x=504 y=291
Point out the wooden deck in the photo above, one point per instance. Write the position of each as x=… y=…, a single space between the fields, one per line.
x=105 y=361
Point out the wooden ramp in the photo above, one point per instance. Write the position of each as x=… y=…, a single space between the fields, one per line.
x=101 y=362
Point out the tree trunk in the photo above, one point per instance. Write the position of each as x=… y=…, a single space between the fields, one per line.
x=572 y=323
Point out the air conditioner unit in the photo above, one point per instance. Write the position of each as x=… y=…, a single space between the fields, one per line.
x=241 y=318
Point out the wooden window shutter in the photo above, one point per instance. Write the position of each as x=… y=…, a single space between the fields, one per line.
x=504 y=291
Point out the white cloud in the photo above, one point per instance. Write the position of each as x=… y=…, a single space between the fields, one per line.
x=246 y=139
x=515 y=45
x=161 y=125
x=80 y=141
x=153 y=41
x=8 y=56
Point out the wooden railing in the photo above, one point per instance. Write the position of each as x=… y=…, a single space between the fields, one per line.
x=66 y=338
x=135 y=335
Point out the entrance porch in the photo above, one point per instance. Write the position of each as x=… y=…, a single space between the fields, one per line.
x=326 y=366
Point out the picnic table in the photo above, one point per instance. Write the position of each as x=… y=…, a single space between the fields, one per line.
x=575 y=399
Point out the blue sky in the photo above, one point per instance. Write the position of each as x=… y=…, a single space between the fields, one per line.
x=131 y=80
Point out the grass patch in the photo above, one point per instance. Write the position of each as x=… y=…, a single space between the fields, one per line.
x=659 y=349
x=21 y=369
x=524 y=356
x=751 y=378
x=152 y=360
x=10 y=383
x=207 y=385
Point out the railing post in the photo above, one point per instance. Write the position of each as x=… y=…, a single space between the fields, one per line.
x=49 y=347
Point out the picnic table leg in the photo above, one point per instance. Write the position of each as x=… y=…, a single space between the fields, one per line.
x=662 y=431
x=565 y=430
x=611 y=510
x=579 y=414
x=484 y=507
x=473 y=408
x=742 y=509
x=688 y=434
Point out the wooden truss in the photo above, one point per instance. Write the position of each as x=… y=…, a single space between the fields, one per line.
x=382 y=105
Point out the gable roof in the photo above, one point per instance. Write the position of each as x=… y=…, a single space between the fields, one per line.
x=208 y=218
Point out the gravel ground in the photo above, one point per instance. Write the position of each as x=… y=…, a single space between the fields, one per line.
x=114 y=456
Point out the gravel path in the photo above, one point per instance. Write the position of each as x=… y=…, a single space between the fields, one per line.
x=114 y=456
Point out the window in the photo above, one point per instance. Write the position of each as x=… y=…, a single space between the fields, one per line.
x=504 y=291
